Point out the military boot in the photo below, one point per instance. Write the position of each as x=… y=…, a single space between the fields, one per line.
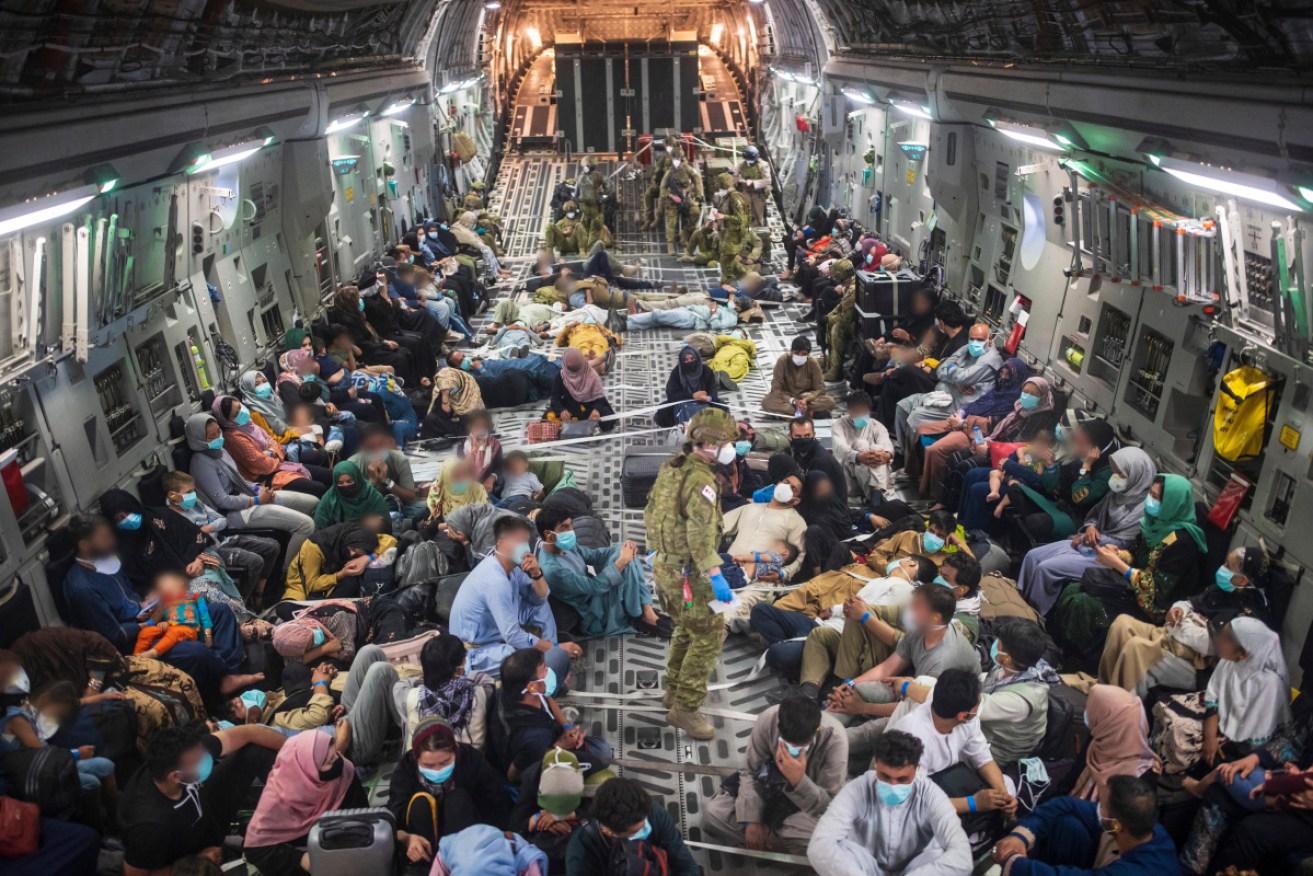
x=691 y=721
x=686 y=257
x=668 y=699
x=670 y=247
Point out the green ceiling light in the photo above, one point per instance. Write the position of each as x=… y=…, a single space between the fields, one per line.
x=104 y=177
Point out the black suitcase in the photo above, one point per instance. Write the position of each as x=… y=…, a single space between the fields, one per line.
x=882 y=298
x=347 y=842
x=639 y=473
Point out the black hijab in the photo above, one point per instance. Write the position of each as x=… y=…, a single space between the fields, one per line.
x=334 y=542
x=831 y=512
x=781 y=466
x=165 y=542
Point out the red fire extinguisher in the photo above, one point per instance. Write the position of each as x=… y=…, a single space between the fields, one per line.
x=802 y=123
x=1021 y=316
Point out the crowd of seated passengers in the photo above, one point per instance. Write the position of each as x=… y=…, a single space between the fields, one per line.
x=918 y=733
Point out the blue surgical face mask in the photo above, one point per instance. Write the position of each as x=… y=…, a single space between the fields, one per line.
x=861 y=422
x=976 y=348
x=130 y=523
x=225 y=725
x=310 y=378
x=566 y=540
x=893 y=795
x=264 y=390
x=216 y=444
x=941 y=581
x=1152 y=506
x=762 y=495
x=1225 y=579
x=203 y=768
x=993 y=652
x=459 y=487
x=890 y=567
x=318 y=637
x=243 y=417
x=793 y=750
x=1059 y=433
x=931 y=542
x=437 y=777
x=519 y=552
x=549 y=682
x=1029 y=401
x=360 y=305
x=643 y=832
x=188 y=500
x=742 y=448
x=255 y=699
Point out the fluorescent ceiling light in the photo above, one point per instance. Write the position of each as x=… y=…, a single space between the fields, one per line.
x=39 y=210
x=492 y=5
x=920 y=110
x=1031 y=135
x=857 y=93
x=1237 y=184
x=1306 y=192
x=717 y=31
x=399 y=106
x=344 y=123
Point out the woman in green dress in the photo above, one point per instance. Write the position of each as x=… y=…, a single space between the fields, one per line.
x=1161 y=567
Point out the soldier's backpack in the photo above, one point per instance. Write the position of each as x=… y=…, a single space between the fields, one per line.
x=463 y=145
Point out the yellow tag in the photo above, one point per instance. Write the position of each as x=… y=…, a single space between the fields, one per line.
x=350 y=194
x=911 y=177
x=1289 y=438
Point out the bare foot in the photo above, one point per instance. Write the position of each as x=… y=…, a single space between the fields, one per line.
x=233 y=683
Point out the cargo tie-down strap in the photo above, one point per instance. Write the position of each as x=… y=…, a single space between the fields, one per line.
x=778 y=857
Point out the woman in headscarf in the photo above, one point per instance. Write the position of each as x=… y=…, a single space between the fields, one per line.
x=454 y=488
x=351 y=497
x=348 y=311
x=258 y=396
x=1000 y=405
x=465 y=228
x=1160 y=568
x=450 y=693
x=578 y=393
x=1119 y=740
x=455 y=394
x=332 y=561
x=828 y=521
x=692 y=385
x=1031 y=423
x=308 y=779
x=1139 y=655
x=1246 y=704
x=1051 y=509
x=439 y=788
x=482 y=448
x=329 y=382
x=1114 y=521
x=268 y=410
x=259 y=457
x=246 y=505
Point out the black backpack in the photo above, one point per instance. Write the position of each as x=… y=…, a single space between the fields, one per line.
x=46 y=776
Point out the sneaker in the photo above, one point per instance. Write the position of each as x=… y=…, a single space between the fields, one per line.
x=692 y=722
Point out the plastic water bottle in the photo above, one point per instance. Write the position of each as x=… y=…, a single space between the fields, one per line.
x=980 y=436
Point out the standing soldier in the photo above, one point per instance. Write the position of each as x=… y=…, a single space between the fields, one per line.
x=681 y=191
x=734 y=205
x=841 y=324
x=754 y=179
x=652 y=199
x=684 y=529
x=589 y=191
x=567 y=236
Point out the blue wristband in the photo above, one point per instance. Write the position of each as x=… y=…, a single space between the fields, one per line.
x=971 y=804
x=865 y=618
x=903 y=692
x=849 y=682
x=1129 y=573
x=567 y=726
x=75 y=754
x=317 y=683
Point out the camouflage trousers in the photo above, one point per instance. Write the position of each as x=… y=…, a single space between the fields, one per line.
x=699 y=633
x=590 y=211
x=673 y=215
x=840 y=331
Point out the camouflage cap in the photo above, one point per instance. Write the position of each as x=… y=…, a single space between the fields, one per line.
x=841 y=270
x=570 y=207
x=724 y=181
x=712 y=425
x=478 y=185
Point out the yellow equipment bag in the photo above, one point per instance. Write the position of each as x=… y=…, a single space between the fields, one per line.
x=1240 y=422
x=463 y=145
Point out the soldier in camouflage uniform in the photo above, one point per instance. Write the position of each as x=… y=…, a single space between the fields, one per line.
x=568 y=235
x=661 y=151
x=740 y=251
x=732 y=204
x=754 y=180
x=473 y=200
x=589 y=191
x=841 y=324
x=681 y=191
x=704 y=244
x=684 y=528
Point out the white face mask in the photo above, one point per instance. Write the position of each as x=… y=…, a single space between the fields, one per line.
x=20 y=684
x=46 y=726
x=107 y=565
x=1117 y=484
x=783 y=494
x=674 y=162
x=799 y=360
x=726 y=454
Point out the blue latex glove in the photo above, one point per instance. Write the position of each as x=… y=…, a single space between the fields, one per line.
x=721 y=587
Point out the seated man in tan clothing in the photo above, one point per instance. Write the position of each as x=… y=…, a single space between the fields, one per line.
x=797 y=385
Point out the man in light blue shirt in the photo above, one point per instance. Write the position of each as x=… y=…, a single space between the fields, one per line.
x=502 y=606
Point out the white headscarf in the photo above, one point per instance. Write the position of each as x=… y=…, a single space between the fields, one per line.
x=1253 y=694
x=1118 y=514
